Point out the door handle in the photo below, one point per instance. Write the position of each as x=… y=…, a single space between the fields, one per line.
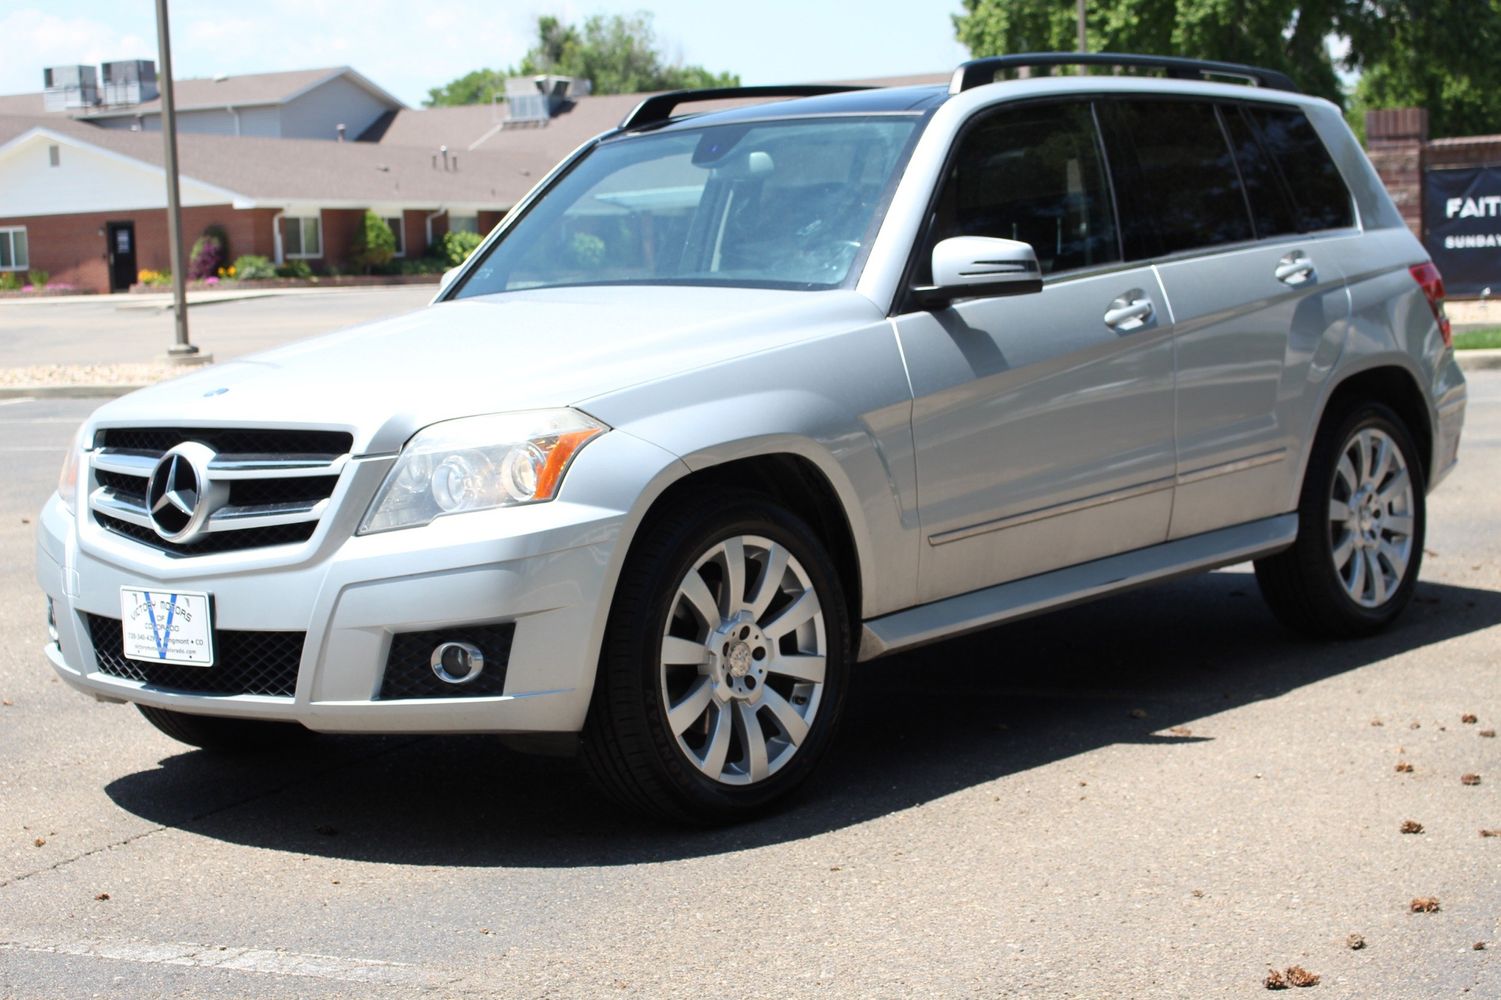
x=1129 y=312
x=1294 y=269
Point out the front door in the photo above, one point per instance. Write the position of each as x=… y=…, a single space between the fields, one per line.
x=121 y=237
x=1043 y=423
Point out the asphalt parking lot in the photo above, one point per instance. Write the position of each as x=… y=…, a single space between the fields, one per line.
x=1158 y=795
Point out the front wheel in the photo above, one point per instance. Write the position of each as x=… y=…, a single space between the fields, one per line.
x=723 y=672
x=1360 y=530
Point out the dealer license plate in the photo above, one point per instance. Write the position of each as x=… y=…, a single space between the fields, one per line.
x=163 y=626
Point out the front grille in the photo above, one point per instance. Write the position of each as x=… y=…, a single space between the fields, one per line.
x=279 y=481
x=409 y=672
x=233 y=440
x=262 y=663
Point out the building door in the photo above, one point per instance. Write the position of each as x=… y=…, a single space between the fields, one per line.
x=121 y=237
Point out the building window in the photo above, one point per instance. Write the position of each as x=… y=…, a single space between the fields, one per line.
x=397 y=231
x=304 y=236
x=463 y=224
x=13 y=255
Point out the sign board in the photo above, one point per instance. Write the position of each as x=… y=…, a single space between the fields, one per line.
x=1462 y=227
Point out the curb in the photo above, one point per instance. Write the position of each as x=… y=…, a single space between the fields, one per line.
x=1474 y=361
x=66 y=391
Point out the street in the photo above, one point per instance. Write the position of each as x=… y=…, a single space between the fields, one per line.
x=1163 y=794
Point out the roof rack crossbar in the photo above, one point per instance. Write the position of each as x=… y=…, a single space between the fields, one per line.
x=659 y=107
x=979 y=72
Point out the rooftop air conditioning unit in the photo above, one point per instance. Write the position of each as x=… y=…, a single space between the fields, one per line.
x=535 y=99
x=129 y=81
x=68 y=88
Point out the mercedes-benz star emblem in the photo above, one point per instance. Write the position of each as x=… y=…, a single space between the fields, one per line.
x=179 y=495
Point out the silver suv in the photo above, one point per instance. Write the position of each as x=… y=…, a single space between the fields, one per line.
x=737 y=399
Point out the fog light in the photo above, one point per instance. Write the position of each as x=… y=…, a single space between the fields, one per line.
x=51 y=621
x=457 y=662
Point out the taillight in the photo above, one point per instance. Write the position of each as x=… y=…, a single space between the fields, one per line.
x=1432 y=283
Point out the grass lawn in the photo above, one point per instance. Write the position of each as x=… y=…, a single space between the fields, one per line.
x=1472 y=340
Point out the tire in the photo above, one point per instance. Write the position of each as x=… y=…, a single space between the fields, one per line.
x=722 y=676
x=226 y=736
x=1361 y=519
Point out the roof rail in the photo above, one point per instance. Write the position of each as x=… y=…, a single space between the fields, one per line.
x=979 y=72
x=658 y=108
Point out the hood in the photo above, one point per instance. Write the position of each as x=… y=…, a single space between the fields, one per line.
x=514 y=351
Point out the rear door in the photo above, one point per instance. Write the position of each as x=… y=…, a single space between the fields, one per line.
x=1255 y=290
x=1044 y=430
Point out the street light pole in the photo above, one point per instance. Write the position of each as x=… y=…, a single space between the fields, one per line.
x=181 y=350
x=1083 y=41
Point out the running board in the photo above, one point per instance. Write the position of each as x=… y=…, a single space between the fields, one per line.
x=1008 y=601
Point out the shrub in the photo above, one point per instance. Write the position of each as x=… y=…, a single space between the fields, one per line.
x=38 y=279
x=294 y=269
x=154 y=279
x=10 y=281
x=454 y=248
x=374 y=243
x=252 y=266
x=209 y=254
x=585 y=250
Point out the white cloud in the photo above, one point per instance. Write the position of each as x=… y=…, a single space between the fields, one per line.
x=32 y=39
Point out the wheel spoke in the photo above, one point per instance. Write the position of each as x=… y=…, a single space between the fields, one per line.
x=803 y=668
x=795 y=614
x=688 y=711
x=769 y=581
x=683 y=652
x=1398 y=485
x=697 y=591
x=1378 y=576
x=1383 y=460
x=1343 y=550
x=1396 y=557
x=792 y=724
x=1356 y=584
x=719 y=742
x=1346 y=472
x=1398 y=524
x=733 y=594
x=1339 y=511
x=1363 y=449
x=753 y=740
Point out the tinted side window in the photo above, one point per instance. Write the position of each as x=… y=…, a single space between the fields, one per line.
x=1035 y=174
x=1188 y=190
x=1271 y=210
x=1313 y=181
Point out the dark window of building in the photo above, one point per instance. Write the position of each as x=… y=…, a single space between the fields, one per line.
x=1035 y=174
x=1185 y=193
x=1313 y=181
x=13 y=250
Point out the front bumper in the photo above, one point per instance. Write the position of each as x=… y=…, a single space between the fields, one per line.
x=547 y=568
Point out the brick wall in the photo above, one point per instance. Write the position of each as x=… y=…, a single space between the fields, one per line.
x=71 y=248
x=1395 y=139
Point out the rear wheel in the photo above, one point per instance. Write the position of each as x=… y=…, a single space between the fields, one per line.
x=723 y=672
x=221 y=735
x=1360 y=530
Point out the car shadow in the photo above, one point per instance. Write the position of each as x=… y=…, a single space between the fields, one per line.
x=917 y=727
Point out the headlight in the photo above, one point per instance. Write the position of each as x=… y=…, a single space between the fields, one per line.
x=67 y=479
x=475 y=463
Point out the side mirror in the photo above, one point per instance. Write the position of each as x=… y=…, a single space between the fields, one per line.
x=980 y=266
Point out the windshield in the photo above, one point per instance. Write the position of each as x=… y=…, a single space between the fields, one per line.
x=777 y=204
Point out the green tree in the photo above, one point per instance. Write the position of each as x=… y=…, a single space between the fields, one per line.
x=1434 y=54
x=617 y=53
x=1437 y=54
x=374 y=244
x=1287 y=35
x=477 y=87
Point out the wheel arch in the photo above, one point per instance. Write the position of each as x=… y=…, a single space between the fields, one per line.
x=1390 y=382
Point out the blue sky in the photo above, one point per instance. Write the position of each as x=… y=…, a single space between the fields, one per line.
x=408 y=46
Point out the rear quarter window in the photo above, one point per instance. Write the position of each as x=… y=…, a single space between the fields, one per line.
x=1312 y=181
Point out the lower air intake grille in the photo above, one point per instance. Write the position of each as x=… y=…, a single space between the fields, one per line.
x=263 y=663
x=409 y=672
